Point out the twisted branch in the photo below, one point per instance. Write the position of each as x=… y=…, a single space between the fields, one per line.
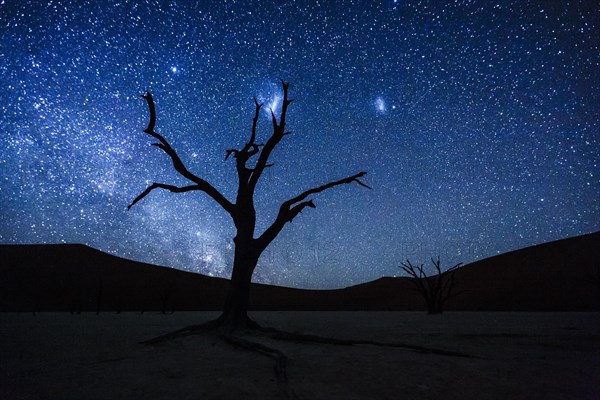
x=278 y=133
x=291 y=208
x=318 y=189
x=171 y=188
x=163 y=144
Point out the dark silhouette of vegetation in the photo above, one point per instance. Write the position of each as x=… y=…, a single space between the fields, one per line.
x=435 y=289
x=248 y=245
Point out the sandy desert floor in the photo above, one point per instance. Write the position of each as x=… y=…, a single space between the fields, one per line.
x=516 y=356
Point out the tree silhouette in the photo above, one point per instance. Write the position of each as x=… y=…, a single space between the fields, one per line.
x=435 y=289
x=248 y=245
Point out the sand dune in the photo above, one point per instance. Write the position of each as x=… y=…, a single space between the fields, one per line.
x=557 y=276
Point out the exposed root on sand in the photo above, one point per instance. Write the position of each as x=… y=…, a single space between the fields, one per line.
x=237 y=336
x=300 y=337
x=272 y=333
x=233 y=335
x=280 y=358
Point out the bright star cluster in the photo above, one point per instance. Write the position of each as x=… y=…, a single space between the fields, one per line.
x=478 y=123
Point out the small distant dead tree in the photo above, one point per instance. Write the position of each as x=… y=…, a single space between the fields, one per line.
x=435 y=289
x=248 y=245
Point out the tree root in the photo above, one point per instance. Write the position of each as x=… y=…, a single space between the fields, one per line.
x=224 y=333
x=297 y=337
x=179 y=333
x=228 y=334
x=217 y=325
x=280 y=367
x=305 y=338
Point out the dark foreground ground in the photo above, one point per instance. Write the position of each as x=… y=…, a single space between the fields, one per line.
x=518 y=356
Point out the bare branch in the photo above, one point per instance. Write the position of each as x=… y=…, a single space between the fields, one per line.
x=410 y=269
x=318 y=189
x=257 y=107
x=278 y=133
x=291 y=208
x=436 y=264
x=152 y=121
x=178 y=164
x=253 y=149
x=273 y=120
x=248 y=151
x=363 y=184
x=449 y=284
x=171 y=188
x=418 y=275
x=297 y=209
x=230 y=152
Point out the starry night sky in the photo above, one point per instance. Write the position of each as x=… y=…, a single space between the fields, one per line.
x=478 y=123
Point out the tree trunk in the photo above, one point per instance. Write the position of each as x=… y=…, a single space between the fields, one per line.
x=235 y=311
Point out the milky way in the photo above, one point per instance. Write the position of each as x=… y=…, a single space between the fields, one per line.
x=478 y=123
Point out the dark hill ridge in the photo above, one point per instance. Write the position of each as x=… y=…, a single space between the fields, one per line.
x=558 y=276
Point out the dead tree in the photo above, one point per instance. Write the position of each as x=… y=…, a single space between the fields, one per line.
x=248 y=244
x=435 y=289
